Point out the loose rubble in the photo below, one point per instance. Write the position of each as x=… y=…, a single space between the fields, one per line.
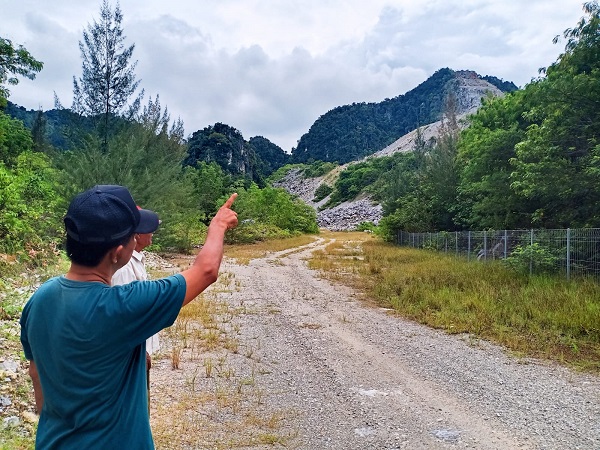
x=343 y=217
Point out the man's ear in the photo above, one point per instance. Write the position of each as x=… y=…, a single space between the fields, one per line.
x=115 y=254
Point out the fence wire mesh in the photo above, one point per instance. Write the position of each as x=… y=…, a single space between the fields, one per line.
x=572 y=252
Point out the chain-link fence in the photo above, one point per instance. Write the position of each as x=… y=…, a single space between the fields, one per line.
x=573 y=252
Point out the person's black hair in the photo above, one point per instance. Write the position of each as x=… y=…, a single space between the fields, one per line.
x=90 y=255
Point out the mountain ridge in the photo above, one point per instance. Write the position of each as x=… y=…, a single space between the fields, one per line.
x=468 y=88
x=351 y=132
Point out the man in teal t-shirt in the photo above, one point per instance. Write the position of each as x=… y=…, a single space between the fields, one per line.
x=85 y=340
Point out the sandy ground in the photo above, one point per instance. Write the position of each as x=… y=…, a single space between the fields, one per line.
x=304 y=363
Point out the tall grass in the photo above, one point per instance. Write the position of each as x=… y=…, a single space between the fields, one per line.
x=537 y=316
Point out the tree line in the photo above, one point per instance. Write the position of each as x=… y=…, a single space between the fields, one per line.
x=527 y=159
x=111 y=135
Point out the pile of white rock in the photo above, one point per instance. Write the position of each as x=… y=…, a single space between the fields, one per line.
x=348 y=215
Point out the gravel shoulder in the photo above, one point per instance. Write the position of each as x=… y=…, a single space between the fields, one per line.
x=316 y=367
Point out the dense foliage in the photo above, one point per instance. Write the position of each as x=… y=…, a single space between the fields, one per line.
x=59 y=128
x=28 y=197
x=318 y=169
x=532 y=158
x=224 y=145
x=269 y=157
x=356 y=178
x=504 y=86
x=271 y=212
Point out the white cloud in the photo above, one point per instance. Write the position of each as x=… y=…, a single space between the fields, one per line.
x=271 y=68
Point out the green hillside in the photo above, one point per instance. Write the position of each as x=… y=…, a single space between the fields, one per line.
x=351 y=132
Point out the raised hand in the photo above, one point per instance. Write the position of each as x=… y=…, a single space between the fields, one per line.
x=226 y=216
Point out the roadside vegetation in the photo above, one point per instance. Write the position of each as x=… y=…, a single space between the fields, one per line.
x=532 y=316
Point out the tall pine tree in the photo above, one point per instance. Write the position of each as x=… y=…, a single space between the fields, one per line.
x=108 y=80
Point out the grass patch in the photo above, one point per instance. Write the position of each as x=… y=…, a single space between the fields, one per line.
x=540 y=316
x=221 y=404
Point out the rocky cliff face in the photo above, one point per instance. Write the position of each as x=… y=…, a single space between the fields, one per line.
x=468 y=88
x=345 y=216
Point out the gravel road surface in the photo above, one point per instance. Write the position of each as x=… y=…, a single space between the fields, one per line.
x=345 y=375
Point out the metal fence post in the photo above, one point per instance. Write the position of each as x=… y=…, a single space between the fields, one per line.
x=530 y=253
x=456 y=243
x=469 y=246
x=568 y=254
x=485 y=245
x=505 y=243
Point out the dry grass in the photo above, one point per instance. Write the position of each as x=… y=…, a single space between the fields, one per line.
x=213 y=399
x=244 y=253
x=538 y=316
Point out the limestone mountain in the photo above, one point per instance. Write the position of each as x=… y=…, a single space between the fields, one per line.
x=468 y=89
x=351 y=132
x=254 y=159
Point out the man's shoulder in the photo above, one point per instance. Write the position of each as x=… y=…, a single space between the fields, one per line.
x=124 y=275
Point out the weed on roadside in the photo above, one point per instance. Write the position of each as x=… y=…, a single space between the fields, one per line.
x=538 y=316
x=218 y=402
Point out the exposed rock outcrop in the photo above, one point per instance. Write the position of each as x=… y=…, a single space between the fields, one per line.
x=468 y=88
x=345 y=216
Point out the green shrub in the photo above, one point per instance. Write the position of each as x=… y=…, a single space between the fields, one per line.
x=249 y=231
x=366 y=226
x=30 y=207
x=534 y=257
x=318 y=169
x=270 y=213
x=321 y=192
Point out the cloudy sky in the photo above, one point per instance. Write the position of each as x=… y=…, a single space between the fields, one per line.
x=272 y=67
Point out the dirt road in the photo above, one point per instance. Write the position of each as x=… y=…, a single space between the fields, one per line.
x=314 y=367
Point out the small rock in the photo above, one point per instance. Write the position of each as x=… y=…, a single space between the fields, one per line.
x=29 y=417
x=11 y=421
x=9 y=365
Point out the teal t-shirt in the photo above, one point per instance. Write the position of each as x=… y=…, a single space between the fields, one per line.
x=87 y=340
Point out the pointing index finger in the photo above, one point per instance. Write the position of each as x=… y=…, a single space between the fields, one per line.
x=230 y=200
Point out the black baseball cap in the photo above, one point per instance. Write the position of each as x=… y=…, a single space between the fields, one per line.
x=149 y=221
x=103 y=214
